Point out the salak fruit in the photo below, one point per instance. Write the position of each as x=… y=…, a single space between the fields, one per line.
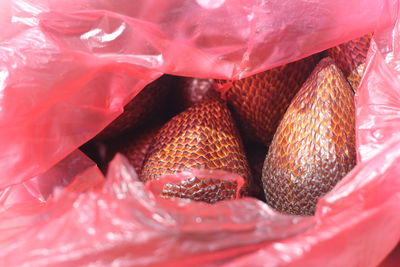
x=135 y=145
x=191 y=91
x=259 y=101
x=350 y=58
x=314 y=145
x=203 y=137
x=146 y=105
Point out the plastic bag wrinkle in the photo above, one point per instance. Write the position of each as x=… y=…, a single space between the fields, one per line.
x=68 y=68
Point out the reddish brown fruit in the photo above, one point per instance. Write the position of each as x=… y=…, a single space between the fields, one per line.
x=135 y=145
x=355 y=77
x=194 y=90
x=146 y=105
x=202 y=137
x=314 y=145
x=201 y=189
x=350 y=58
x=259 y=101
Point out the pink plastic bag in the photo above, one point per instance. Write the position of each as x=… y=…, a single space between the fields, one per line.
x=67 y=69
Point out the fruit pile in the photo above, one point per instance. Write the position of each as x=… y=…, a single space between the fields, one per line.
x=289 y=131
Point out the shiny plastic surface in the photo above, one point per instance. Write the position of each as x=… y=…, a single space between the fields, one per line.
x=68 y=67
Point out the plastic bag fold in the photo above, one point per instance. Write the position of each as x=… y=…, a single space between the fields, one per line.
x=68 y=67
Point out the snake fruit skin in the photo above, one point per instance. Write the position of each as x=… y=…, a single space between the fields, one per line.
x=207 y=190
x=350 y=58
x=135 y=146
x=259 y=102
x=355 y=77
x=314 y=146
x=203 y=137
x=144 y=106
x=194 y=90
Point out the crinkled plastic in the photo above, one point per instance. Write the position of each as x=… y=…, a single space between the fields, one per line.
x=68 y=67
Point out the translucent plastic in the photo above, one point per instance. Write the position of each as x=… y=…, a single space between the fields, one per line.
x=68 y=67
x=65 y=173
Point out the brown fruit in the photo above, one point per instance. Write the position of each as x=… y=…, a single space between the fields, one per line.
x=350 y=58
x=194 y=90
x=135 y=145
x=146 y=105
x=314 y=145
x=203 y=137
x=259 y=102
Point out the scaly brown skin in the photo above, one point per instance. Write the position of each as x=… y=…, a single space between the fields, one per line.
x=259 y=102
x=314 y=145
x=350 y=58
x=135 y=145
x=203 y=137
x=143 y=107
x=194 y=90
